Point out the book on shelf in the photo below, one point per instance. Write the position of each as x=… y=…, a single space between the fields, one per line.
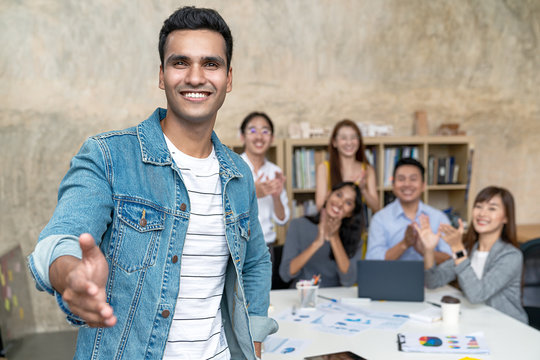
x=469 y=173
x=442 y=170
x=371 y=156
x=392 y=155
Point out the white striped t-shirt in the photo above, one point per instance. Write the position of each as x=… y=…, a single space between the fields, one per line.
x=197 y=331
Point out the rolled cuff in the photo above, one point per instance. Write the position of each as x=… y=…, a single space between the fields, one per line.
x=262 y=326
x=47 y=250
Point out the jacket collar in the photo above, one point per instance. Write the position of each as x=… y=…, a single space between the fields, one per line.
x=154 y=148
x=496 y=248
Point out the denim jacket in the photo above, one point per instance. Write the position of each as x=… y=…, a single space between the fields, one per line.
x=126 y=191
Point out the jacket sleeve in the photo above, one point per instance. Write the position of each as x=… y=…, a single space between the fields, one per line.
x=376 y=246
x=504 y=269
x=84 y=205
x=440 y=275
x=257 y=274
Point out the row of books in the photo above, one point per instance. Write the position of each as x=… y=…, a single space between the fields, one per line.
x=391 y=156
x=305 y=162
x=442 y=170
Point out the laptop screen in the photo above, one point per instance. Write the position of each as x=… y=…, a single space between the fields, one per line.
x=397 y=280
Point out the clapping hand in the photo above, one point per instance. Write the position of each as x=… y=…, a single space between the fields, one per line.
x=328 y=226
x=277 y=184
x=428 y=238
x=453 y=236
x=411 y=236
x=361 y=180
x=265 y=187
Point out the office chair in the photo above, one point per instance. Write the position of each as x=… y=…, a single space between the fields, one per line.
x=531 y=280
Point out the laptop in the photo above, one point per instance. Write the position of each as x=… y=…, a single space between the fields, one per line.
x=398 y=280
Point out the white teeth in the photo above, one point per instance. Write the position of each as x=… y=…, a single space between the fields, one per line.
x=195 y=95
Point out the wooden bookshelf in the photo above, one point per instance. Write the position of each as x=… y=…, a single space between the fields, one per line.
x=439 y=195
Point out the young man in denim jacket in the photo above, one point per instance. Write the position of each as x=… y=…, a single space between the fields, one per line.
x=115 y=251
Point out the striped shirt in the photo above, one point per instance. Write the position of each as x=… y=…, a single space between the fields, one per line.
x=197 y=331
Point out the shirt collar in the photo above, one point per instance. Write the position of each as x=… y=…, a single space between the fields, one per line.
x=397 y=209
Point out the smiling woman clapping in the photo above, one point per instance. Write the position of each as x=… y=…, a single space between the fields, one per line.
x=328 y=243
x=486 y=261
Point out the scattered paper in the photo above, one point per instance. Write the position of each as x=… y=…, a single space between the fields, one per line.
x=285 y=346
x=341 y=319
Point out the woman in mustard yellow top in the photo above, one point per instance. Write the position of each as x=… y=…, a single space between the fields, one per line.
x=347 y=162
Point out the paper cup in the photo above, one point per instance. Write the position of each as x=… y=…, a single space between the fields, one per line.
x=450 y=307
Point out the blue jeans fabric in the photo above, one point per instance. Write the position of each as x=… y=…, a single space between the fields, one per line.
x=115 y=181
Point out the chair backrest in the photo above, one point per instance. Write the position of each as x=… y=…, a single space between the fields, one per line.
x=531 y=272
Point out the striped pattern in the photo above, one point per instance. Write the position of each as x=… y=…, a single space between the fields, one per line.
x=196 y=331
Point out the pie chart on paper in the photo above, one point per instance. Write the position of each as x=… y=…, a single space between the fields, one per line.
x=430 y=341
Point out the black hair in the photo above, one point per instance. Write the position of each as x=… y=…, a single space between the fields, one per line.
x=192 y=18
x=409 y=161
x=253 y=114
x=350 y=231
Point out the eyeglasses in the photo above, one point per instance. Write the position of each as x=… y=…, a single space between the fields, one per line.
x=347 y=138
x=262 y=131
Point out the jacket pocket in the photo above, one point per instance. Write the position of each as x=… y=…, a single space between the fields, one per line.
x=243 y=227
x=241 y=240
x=136 y=237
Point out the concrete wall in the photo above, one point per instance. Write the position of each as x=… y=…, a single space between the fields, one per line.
x=72 y=68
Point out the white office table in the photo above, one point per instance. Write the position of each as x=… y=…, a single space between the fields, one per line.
x=507 y=338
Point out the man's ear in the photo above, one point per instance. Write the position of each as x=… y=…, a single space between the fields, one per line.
x=161 y=78
x=229 y=80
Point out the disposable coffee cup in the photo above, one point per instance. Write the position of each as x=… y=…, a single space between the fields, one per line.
x=450 y=307
x=307 y=294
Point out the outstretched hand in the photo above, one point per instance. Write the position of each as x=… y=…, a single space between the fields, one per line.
x=84 y=290
x=427 y=236
x=453 y=236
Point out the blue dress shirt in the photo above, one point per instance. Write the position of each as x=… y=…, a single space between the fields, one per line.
x=387 y=228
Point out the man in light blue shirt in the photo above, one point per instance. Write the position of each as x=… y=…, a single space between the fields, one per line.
x=391 y=232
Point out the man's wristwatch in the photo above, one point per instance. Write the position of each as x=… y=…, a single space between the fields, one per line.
x=459 y=254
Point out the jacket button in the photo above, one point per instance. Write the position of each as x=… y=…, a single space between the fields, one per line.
x=142 y=222
x=175 y=259
x=165 y=313
x=183 y=207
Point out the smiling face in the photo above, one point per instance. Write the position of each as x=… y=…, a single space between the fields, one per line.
x=489 y=216
x=257 y=136
x=194 y=75
x=408 y=184
x=341 y=202
x=346 y=141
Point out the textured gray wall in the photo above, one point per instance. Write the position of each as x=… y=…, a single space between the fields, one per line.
x=73 y=68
